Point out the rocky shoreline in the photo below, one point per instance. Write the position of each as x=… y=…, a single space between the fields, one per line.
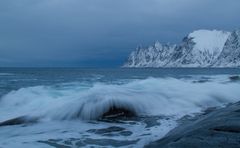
x=219 y=128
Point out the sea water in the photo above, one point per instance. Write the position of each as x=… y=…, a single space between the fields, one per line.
x=66 y=105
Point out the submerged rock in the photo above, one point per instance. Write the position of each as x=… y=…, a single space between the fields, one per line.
x=219 y=128
x=111 y=131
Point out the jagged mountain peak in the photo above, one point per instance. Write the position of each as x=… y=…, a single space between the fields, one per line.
x=152 y=56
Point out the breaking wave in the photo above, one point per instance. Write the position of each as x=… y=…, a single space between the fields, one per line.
x=149 y=97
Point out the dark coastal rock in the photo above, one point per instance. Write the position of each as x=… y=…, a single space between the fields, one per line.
x=234 y=78
x=18 y=120
x=217 y=129
x=118 y=113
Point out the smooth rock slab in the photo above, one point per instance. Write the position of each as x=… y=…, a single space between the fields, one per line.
x=217 y=129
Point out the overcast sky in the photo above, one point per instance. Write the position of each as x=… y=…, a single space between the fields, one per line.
x=101 y=33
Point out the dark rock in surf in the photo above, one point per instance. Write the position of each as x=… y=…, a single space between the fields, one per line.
x=234 y=78
x=219 y=128
x=118 y=113
x=18 y=121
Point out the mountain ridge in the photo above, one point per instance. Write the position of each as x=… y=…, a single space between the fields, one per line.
x=201 y=48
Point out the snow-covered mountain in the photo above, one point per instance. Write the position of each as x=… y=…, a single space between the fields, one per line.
x=201 y=48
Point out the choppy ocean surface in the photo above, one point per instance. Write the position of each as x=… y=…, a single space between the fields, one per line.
x=64 y=107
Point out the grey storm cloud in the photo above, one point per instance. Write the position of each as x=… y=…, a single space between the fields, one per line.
x=101 y=32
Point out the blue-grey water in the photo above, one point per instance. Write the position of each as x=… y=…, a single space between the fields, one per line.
x=67 y=103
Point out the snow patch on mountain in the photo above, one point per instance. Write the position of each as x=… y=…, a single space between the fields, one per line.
x=209 y=40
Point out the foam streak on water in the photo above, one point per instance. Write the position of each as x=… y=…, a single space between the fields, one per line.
x=67 y=113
